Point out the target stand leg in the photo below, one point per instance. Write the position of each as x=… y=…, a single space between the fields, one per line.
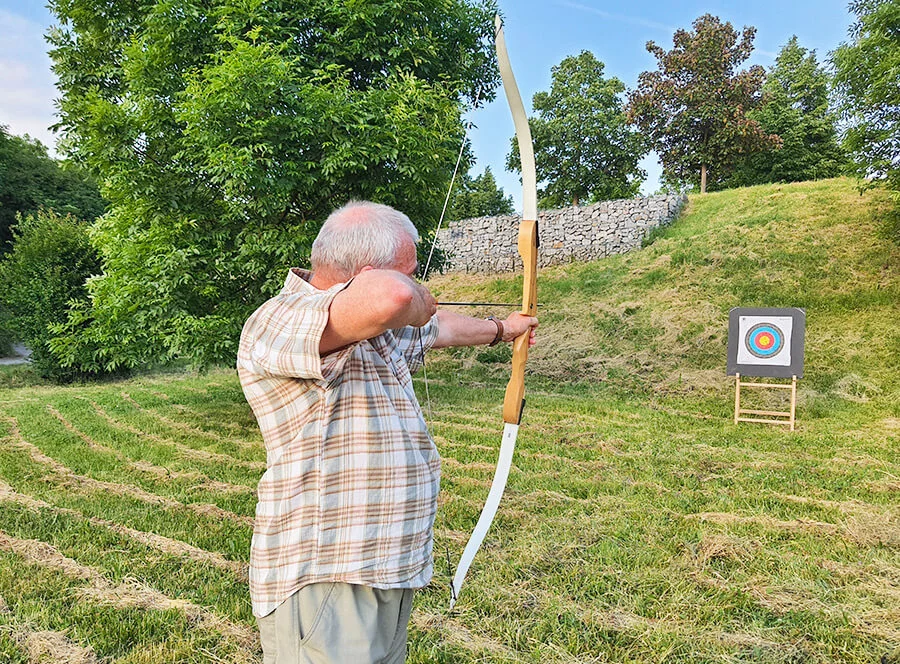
x=793 y=401
x=737 y=397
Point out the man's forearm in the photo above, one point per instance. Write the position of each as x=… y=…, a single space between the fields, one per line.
x=457 y=330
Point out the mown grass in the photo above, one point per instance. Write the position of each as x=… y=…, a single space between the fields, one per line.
x=639 y=524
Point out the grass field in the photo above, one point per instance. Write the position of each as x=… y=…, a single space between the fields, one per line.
x=639 y=524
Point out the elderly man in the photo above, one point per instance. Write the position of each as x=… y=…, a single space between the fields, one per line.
x=343 y=531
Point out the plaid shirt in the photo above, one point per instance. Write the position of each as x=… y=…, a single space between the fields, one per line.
x=350 y=492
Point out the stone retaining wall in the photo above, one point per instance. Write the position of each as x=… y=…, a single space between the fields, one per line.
x=488 y=244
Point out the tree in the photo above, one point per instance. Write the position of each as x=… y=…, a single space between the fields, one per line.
x=30 y=179
x=225 y=132
x=47 y=267
x=584 y=149
x=479 y=197
x=694 y=108
x=797 y=110
x=868 y=87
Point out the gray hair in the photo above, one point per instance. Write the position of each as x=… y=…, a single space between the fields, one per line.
x=359 y=234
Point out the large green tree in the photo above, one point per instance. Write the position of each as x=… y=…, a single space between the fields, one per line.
x=867 y=77
x=30 y=179
x=796 y=108
x=694 y=108
x=584 y=148
x=479 y=197
x=226 y=130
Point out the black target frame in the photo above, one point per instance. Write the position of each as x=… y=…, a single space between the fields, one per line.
x=798 y=342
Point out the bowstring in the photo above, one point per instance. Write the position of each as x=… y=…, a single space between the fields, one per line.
x=462 y=149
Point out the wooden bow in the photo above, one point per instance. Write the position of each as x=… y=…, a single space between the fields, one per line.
x=514 y=401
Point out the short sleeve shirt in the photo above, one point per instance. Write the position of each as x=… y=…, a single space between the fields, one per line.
x=350 y=490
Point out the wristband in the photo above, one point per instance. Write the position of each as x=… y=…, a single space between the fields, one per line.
x=499 y=324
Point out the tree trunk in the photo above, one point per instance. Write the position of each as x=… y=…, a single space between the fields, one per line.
x=702 y=178
x=575 y=200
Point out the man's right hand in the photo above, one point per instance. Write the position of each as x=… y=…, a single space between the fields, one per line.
x=375 y=301
x=423 y=307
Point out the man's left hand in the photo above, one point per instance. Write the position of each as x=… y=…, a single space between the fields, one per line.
x=517 y=324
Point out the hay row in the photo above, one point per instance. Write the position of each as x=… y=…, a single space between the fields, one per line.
x=201 y=481
x=82 y=483
x=131 y=593
x=159 y=542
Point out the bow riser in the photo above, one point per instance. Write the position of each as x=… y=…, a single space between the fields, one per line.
x=514 y=401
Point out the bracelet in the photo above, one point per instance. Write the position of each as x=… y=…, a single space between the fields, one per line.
x=499 y=324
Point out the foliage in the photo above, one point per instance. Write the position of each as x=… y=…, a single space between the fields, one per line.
x=868 y=87
x=694 y=108
x=639 y=524
x=30 y=179
x=7 y=338
x=656 y=320
x=479 y=197
x=226 y=131
x=47 y=267
x=584 y=150
x=797 y=109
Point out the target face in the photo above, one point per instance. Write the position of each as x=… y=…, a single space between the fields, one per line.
x=764 y=340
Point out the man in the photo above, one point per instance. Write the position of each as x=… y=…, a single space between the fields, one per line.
x=343 y=530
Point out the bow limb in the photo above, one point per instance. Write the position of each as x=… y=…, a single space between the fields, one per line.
x=514 y=401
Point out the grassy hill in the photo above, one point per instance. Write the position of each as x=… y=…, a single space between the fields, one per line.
x=656 y=320
x=639 y=524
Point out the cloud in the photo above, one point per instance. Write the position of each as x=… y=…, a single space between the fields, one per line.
x=622 y=18
x=29 y=87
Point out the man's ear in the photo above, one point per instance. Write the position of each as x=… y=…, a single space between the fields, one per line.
x=366 y=269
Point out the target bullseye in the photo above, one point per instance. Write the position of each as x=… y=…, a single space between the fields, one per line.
x=764 y=340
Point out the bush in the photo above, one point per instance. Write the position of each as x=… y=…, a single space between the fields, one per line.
x=6 y=335
x=46 y=270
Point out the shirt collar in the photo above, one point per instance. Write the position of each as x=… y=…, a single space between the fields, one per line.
x=297 y=281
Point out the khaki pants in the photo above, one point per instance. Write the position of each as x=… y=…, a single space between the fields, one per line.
x=338 y=623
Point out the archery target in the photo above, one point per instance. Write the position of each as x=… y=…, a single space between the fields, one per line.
x=765 y=340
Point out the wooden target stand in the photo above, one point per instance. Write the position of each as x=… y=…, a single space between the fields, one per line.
x=766 y=342
x=741 y=413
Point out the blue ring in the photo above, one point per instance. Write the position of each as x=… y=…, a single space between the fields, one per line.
x=760 y=328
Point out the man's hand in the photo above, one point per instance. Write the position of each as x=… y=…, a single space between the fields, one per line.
x=423 y=306
x=375 y=301
x=516 y=325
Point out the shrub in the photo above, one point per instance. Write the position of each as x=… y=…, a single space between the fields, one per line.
x=46 y=270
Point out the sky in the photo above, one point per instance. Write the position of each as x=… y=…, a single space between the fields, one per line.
x=539 y=35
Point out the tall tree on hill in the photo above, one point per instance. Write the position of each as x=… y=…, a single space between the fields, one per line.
x=226 y=131
x=479 y=197
x=868 y=86
x=584 y=149
x=30 y=179
x=797 y=109
x=694 y=108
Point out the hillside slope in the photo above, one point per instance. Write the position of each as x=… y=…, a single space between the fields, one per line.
x=656 y=319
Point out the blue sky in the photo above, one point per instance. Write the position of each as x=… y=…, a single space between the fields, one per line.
x=539 y=34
